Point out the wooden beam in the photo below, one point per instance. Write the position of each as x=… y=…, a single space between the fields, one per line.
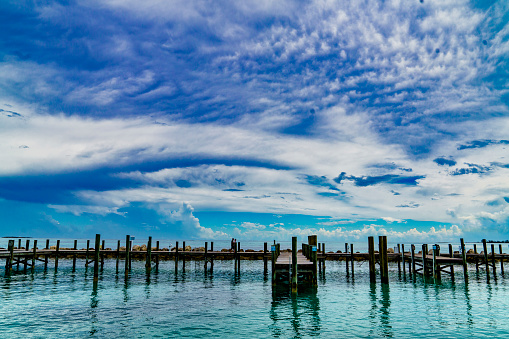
x=371 y=253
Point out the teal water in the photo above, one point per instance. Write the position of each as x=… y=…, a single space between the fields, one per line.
x=222 y=304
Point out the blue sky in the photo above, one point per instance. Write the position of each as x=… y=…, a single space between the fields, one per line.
x=255 y=119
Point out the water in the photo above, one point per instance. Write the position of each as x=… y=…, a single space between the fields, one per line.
x=222 y=304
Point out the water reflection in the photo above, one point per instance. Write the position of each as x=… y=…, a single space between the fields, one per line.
x=379 y=312
x=300 y=310
x=94 y=302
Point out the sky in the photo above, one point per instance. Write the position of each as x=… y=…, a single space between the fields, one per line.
x=255 y=119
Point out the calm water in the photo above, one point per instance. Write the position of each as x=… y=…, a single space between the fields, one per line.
x=223 y=304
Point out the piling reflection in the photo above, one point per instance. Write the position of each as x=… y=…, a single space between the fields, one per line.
x=379 y=312
x=300 y=310
x=94 y=302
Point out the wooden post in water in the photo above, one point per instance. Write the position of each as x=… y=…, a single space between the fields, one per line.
x=371 y=256
x=485 y=248
x=176 y=256
x=74 y=256
x=205 y=256
x=148 y=256
x=424 y=253
x=412 y=248
x=157 y=256
x=212 y=256
x=323 y=257
x=493 y=261
x=274 y=258
x=19 y=247
x=183 y=256
x=102 y=254
x=25 y=262
x=436 y=266
x=451 y=254
x=10 y=258
x=384 y=264
x=351 y=258
x=464 y=257
x=238 y=254
x=294 y=265
x=265 y=258
x=235 y=247
x=476 y=259
x=403 y=258
x=97 y=253
x=319 y=249
x=501 y=259
x=117 y=263
x=399 y=258
x=86 y=253
x=46 y=256
x=127 y=254
x=56 y=255
x=34 y=254
x=346 y=260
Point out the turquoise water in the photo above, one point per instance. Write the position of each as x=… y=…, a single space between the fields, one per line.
x=222 y=304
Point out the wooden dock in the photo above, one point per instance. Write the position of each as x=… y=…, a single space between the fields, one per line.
x=295 y=266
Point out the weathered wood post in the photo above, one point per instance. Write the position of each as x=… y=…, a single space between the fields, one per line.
x=205 y=256
x=235 y=248
x=265 y=258
x=19 y=248
x=399 y=258
x=323 y=257
x=319 y=249
x=436 y=267
x=117 y=261
x=25 y=261
x=313 y=242
x=384 y=265
x=46 y=256
x=493 y=261
x=148 y=256
x=346 y=259
x=424 y=252
x=127 y=254
x=86 y=253
x=451 y=254
x=238 y=254
x=485 y=248
x=274 y=258
x=464 y=257
x=97 y=253
x=157 y=256
x=372 y=262
x=183 y=256
x=294 y=265
x=176 y=256
x=9 y=260
x=34 y=255
x=75 y=248
x=351 y=258
x=412 y=270
x=476 y=259
x=501 y=259
x=212 y=256
x=403 y=258
x=56 y=255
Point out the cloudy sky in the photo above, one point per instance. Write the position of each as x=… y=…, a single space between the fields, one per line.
x=255 y=119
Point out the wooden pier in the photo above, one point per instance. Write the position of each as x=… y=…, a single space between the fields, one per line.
x=293 y=267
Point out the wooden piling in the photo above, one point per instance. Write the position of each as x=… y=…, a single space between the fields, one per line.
x=74 y=256
x=384 y=265
x=19 y=247
x=476 y=259
x=102 y=253
x=424 y=252
x=372 y=262
x=294 y=265
x=148 y=256
x=86 y=253
x=487 y=265
x=56 y=255
x=451 y=254
x=399 y=258
x=319 y=248
x=464 y=257
x=127 y=254
x=412 y=270
x=34 y=255
x=117 y=263
x=157 y=256
x=403 y=258
x=25 y=262
x=238 y=258
x=501 y=259
x=274 y=258
x=346 y=260
x=265 y=258
x=10 y=259
x=436 y=266
x=351 y=258
x=493 y=261
x=176 y=256
x=183 y=256
x=323 y=257
x=97 y=253
x=46 y=256
x=205 y=256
